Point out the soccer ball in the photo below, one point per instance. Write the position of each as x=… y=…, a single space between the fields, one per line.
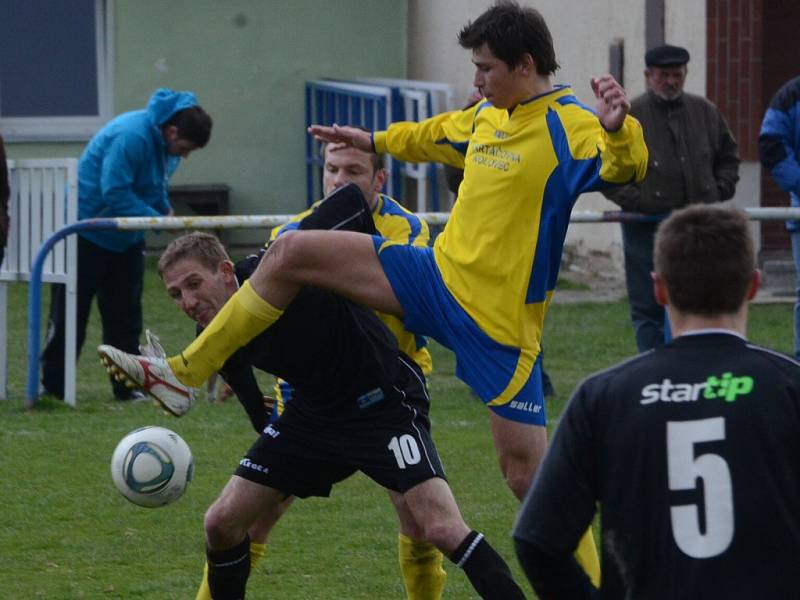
x=152 y=466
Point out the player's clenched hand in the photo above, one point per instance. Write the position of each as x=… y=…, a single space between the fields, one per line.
x=347 y=136
x=612 y=101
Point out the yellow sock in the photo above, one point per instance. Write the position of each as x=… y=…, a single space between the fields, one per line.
x=243 y=317
x=256 y=553
x=586 y=555
x=421 y=566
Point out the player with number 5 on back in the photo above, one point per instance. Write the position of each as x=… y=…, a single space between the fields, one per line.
x=692 y=451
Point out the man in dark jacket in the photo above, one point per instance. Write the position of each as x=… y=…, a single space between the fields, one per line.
x=693 y=160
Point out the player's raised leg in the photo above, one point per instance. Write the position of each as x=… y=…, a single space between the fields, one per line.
x=340 y=261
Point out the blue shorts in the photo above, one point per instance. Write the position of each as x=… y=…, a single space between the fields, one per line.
x=487 y=366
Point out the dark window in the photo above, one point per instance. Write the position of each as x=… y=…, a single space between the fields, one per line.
x=54 y=76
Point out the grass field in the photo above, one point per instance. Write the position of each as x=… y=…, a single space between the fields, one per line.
x=66 y=533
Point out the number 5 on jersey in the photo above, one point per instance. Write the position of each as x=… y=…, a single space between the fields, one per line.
x=711 y=469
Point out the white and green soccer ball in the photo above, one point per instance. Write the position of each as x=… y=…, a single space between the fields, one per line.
x=152 y=466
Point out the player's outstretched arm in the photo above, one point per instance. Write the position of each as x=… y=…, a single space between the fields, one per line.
x=348 y=136
x=612 y=101
x=622 y=148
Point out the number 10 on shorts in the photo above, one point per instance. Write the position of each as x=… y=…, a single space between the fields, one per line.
x=405 y=450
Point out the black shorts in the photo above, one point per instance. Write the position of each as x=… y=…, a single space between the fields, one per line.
x=304 y=456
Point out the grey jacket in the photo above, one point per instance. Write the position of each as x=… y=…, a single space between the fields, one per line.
x=693 y=157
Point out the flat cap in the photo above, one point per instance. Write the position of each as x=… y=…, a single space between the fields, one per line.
x=666 y=56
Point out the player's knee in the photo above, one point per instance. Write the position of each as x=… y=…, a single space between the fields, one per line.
x=219 y=526
x=445 y=535
x=213 y=524
x=518 y=485
x=282 y=255
x=519 y=476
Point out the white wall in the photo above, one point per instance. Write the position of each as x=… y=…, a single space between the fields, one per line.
x=582 y=32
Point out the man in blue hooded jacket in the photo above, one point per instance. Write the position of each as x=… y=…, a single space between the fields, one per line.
x=123 y=172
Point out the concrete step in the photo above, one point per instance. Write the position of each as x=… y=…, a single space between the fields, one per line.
x=779 y=277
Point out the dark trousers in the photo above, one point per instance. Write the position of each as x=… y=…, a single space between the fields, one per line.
x=116 y=278
x=647 y=315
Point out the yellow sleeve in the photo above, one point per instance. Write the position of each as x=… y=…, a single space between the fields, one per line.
x=624 y=153
x=443 y=138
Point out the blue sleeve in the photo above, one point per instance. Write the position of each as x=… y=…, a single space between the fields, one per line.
x=776 y=148
x=118 y=172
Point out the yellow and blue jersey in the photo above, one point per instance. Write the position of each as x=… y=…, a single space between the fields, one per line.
x=500 y=253
x=395 y=223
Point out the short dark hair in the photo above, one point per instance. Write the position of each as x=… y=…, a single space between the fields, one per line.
x=705 y=256
x=510 y=31
x=193 y=124
x=203 y=247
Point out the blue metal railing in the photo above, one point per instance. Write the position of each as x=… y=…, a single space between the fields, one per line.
x=329 y=102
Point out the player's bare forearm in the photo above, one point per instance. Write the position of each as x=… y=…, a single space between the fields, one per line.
x=352 y=137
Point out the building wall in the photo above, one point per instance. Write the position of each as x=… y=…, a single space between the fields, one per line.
x=247 y=61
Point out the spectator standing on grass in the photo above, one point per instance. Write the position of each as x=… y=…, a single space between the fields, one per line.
x=779 y=150
x=123 y=172
x=689 y=452
x=693 y=159
x=5 y=192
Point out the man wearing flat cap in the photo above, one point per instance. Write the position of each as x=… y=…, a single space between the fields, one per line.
x=693 y=160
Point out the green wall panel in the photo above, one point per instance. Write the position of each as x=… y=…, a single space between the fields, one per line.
x=247 y=61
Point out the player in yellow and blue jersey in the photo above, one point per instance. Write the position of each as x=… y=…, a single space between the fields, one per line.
x=528 y=151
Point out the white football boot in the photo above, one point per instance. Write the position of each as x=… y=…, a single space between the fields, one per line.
x=152 y=375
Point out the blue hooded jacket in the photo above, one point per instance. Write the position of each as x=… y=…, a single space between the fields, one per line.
x=125 y=169
x=779 y=142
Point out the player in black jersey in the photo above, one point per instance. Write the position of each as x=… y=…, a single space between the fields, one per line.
x=692 y=451
x=359 y=404
x=202 y=284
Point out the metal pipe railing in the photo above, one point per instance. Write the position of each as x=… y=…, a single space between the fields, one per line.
x=254 y=221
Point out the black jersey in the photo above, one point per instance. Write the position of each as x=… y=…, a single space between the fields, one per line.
x=338 y=356
x=693 y=453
